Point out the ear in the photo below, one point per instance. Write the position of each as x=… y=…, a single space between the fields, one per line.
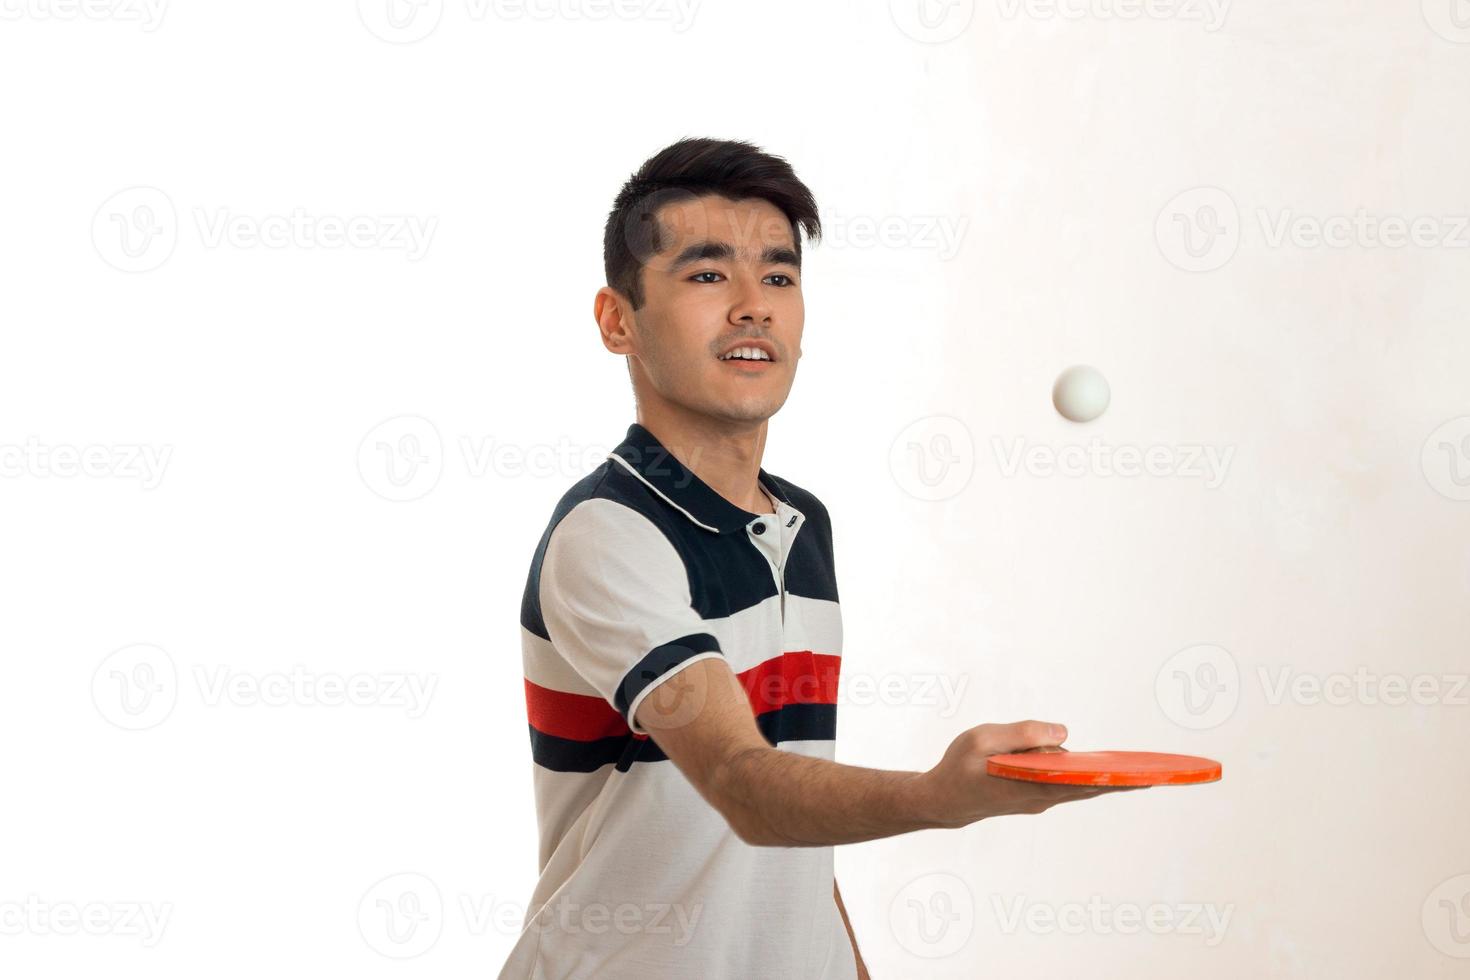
x=613 y=314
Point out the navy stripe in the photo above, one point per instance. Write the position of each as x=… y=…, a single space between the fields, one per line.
x=798 y=722
x=794 y=722
x=658 y=662
x=570 y=755
x=791 y=723
x=727 y=573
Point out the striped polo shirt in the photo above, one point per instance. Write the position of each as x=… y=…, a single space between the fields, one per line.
x=643 y=570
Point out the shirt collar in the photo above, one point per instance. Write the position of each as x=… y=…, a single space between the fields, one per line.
x=647 y=459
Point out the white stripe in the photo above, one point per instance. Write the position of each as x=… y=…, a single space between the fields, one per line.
x=749 y=638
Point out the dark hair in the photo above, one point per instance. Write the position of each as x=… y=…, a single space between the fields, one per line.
x=691 y=168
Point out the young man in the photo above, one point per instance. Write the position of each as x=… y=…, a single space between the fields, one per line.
x=681 y=634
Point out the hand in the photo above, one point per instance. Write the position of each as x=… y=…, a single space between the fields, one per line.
x=963 y=792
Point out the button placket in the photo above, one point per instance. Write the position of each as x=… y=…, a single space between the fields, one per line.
x=766 y=545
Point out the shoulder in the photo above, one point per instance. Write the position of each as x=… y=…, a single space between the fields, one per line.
x=607 y=520
x=608 y=497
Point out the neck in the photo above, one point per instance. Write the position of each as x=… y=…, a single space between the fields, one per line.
x=725 y=455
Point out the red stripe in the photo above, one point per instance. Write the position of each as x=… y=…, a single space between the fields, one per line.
x=583 y=717
x=795 y=677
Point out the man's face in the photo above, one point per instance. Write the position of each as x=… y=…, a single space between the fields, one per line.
x=726 y=277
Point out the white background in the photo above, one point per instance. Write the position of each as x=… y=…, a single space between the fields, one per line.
x=1053 y=185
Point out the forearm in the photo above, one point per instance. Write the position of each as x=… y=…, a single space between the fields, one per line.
x=783 y=799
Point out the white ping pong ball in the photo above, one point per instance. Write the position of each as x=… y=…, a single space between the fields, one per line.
x=1081 y=393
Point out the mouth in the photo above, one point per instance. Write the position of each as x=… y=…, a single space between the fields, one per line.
x=749 y=358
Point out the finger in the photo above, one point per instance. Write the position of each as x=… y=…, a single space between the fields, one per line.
x=1092 y=791
x=1081 y=794
x=1077 y=790
x=1022 y=735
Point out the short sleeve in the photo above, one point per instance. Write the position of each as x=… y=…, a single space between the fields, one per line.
x=615 y=599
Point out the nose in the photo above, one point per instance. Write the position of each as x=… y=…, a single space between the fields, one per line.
x=751 y=306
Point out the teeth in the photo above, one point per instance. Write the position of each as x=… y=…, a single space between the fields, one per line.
x=747 y=354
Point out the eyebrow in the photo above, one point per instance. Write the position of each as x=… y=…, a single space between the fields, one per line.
x=701 y=251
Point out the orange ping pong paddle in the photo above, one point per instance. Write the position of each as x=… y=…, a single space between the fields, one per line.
x=1104 y=768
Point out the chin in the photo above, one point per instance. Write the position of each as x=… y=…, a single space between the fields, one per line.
x=749 y=411
x=731 y=403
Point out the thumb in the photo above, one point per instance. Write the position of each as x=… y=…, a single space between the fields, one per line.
x=1021 y=736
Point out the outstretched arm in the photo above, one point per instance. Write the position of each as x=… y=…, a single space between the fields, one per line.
x=775 y=798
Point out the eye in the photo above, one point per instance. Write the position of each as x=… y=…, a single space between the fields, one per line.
x=781 y=275
x=695 y=277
